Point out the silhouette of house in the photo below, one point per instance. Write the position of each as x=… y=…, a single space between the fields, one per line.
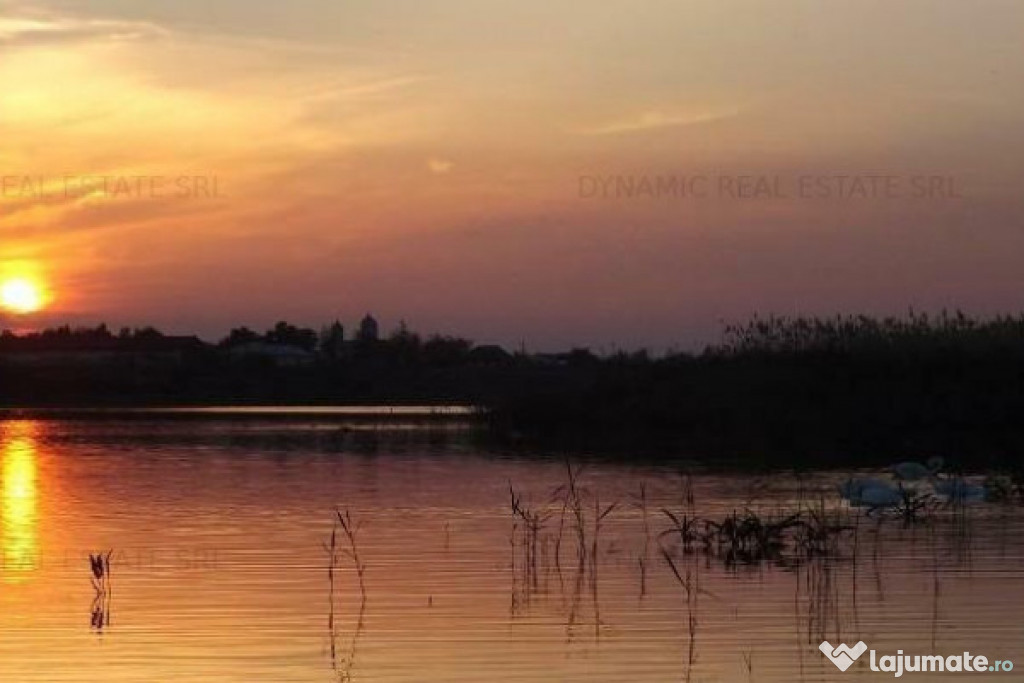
x=332 y=340
x=489 y=354
x=369 y=330
x=278 y=355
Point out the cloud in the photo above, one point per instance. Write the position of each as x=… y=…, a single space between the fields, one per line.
x=378 y=86
x=654 y=120
x=440 y=166
x=41 y=30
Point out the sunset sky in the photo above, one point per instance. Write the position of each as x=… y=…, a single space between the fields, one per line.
x=429 y=160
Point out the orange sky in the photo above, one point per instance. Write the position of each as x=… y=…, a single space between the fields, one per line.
x=312 y=160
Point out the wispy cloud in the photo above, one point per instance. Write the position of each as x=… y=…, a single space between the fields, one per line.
x=656 y=119
x=33 y=30
x=440 y=166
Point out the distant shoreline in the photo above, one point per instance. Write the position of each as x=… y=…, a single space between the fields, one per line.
x=391 y=412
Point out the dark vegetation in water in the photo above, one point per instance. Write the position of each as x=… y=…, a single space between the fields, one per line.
x=556 y=549
x=100 y=611
x=790 y=390
x=807 y=391
x=344 y=543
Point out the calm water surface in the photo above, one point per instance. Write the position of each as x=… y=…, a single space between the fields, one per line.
x=219 y=570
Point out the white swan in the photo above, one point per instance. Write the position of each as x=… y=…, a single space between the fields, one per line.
x=870 y=492
x=912 y=471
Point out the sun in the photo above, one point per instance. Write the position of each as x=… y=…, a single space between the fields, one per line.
x=21 y=295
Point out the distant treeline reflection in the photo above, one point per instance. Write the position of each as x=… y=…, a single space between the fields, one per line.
x=780 y=387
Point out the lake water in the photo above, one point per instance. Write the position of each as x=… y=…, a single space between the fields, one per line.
x=219 y=572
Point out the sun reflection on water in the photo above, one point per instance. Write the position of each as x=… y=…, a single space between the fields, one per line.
x=18 y=501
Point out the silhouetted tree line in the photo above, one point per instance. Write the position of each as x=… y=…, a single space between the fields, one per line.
x=778 y=387
x=402 y=346
x=282 y=333
x=917 y=332
x=809 y=390
x=79 y=338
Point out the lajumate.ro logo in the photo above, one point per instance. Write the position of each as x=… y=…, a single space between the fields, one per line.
x=844 y=657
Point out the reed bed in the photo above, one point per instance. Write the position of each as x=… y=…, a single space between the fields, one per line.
x=343 y=542
x=812 y=531
x=819 y=527
x=100 y=611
